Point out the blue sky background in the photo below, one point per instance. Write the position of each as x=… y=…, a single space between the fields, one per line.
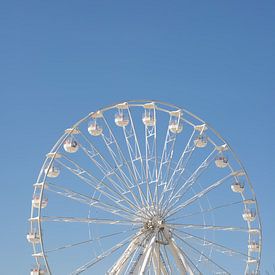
x=60 y=60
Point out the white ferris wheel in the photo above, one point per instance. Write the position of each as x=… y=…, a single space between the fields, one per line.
x=143 y=187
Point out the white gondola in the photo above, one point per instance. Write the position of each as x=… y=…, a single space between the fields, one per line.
x=200 y=141
x=221 y=161
x=38 y=271
x=70 y=145
x=94 y=129
x=36 y=202
x=121 y=120
x=175 y=123
x=237 y=187
x=33 y=237
x=52 y=172
x=249 y=215
x=254 y=246
x=175 y=127
x=148 y=119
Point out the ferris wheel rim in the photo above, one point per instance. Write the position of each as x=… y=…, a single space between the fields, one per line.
x=59 y=143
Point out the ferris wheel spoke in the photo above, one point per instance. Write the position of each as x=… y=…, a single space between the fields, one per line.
x=116 y=153
x=89 y=179
x=213 y=227
x=134 y=152
x=172 y=211
x=105 y=167
x=103 y=255
x=182 y=163
x=156 y=172
x=217 y=246
x=114 y=209
x=200 y=168
x=151 y=170
x=119 y=158
x=202 y=254
x=206 y=210
x=71 y=245
x=134 y=149
x=166 y=158
x=176 y=195
x=97 y=185
x=88 y=220
x=113 y=194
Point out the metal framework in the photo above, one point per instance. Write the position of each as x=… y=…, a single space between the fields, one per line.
x=144 y=187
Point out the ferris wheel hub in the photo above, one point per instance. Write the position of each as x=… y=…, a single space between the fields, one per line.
x=154 y=224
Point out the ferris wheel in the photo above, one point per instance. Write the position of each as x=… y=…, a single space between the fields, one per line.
x=143 y=187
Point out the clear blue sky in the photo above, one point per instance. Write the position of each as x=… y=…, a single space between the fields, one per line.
x=60 y=60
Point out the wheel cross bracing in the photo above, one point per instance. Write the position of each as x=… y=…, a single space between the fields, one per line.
x=143 y=187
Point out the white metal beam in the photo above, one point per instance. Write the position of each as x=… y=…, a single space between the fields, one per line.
x=180 y=258
x=118 y=267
